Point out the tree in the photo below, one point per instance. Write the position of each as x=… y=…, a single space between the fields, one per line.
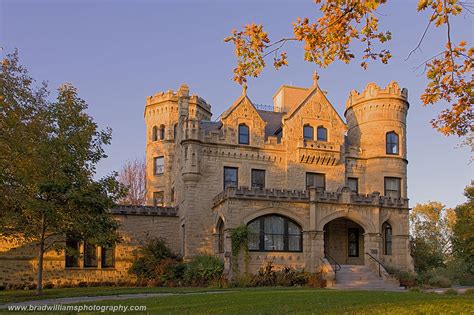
x=431 y=234
x=48 y=154
x=463 y=230
x=132 y=176
x=346 y=23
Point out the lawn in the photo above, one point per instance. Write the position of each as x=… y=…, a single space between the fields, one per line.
x=305 y=301
x=280 y=301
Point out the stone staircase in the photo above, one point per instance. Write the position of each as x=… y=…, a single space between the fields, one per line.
x=361 y=277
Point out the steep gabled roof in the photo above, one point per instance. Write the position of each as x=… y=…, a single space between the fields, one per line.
x=242 y=99
x=273 y=120
x=315 y=89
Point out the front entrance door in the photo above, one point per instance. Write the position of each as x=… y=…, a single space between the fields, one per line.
x=344 y=241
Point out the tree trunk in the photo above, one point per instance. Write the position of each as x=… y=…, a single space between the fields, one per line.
x=39 y=280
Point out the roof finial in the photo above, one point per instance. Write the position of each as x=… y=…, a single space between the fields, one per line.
x=244 y=89
x=315 y=78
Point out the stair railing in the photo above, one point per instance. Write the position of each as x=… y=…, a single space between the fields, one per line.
x=336 y=265
x=380 y=265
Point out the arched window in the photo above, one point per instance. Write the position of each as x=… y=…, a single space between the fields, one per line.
x=392 y=143
x=308 y=132
x=220 y=236
x=244 y=134
x=387 y=238
x=162 y=132
x=175 y=131
x=322 y=134
x=154 y=133
x=274 y=233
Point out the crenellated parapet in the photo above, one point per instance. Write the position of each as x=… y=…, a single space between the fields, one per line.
x=144 y=210
x=342 y=196
x=373 y=91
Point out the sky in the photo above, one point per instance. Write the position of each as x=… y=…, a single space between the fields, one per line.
x=119 y=52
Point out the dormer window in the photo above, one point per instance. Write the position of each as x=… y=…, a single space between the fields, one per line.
x=308 y=132
x=154 y=133
x=392 y=143
x=244 y=134
x=322 y=134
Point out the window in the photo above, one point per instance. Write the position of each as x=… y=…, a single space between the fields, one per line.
x=158 y=198
x=230 y=177
x=72 y=251
x=90 y=255
x=274 y=233
x=162 y=132
x=392 y=187
x=322 y=134
x=172 y=194
x=353 y=242
x=258 y=179
x=353 y=184
x=154 y=135
x=108 y=256
x=244 y=134
x=220 y=236
x=387 y=238
x=392 y=143
x=159 y=165
x=316 y=180
x=175 y=131
x=308 y=132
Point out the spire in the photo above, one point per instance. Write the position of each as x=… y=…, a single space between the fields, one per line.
x=244 y=89
x=315 y=78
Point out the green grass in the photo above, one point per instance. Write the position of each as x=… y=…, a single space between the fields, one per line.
x=273 y=301
x=29 y=295
x=305 y=301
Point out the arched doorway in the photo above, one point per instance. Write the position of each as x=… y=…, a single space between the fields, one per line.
x=344 y=241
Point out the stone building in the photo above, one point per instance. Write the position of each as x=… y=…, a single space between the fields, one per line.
x=309 y=185
x=315 y=190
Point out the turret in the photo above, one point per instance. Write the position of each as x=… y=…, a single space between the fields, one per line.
x=376 y=120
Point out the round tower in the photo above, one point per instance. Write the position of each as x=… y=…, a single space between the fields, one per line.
x=376 y=120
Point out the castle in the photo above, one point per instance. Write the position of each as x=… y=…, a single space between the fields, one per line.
x=313 y=189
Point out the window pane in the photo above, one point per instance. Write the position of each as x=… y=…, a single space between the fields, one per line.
x=392 y=143
x=254 y=235
x=392 y=187
x=353 y=242
x=230 y=177
x=274 y=242
x=72 y=252
x=322 y=134
x=243 y=134
x=159 y=165
x=108 y=257
x=258 y=179
x=308 y=132
x=353 y=184
x=294 y=242
x=274 y=233
x=315 y=180
x=90 y=255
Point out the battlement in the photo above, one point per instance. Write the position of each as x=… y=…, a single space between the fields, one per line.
x=173 y=96
x=342 y=196
x=144 y=210
x=373 y=91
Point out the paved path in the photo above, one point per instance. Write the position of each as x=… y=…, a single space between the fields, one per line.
x=85 y=299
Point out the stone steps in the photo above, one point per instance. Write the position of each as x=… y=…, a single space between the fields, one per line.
x=360 y=277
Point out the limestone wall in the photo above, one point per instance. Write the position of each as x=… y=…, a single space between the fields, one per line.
x=18 y=260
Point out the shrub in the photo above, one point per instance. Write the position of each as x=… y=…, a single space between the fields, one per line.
x=415 y=289
x=48 y=285
x=469 y=291
x=157 y=265
x=407 y=279
x=440 y=281
x=266 y=276
x=203 y=269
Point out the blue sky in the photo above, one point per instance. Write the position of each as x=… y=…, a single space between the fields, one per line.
x=119 y=52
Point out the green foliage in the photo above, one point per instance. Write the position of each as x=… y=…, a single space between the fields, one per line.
x=463 y=230
x=239 y=237
x=439 y=281
x=204 y=269
x=48 y=154
x=451 y=292
x=156 y=263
